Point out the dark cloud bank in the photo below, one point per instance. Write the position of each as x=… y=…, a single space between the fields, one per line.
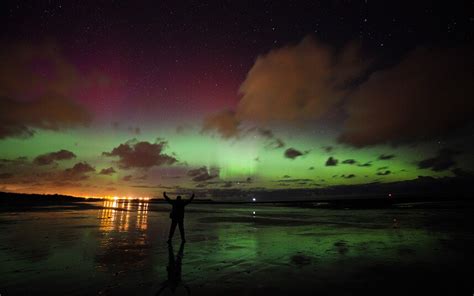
x=50 y=158
x=108 y=171
x=427 y=94
x=441 y=162
x=203 y=174
x=31 y=99
x=331 y=161
x=142 y=155
x=78 y=172
x=292 y=153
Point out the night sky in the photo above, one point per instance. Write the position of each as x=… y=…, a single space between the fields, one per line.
x=115 y=98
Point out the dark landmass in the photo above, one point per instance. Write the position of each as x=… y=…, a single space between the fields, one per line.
x=37 y=202
x=6 y=197
x=371 y=195
x=419 y=189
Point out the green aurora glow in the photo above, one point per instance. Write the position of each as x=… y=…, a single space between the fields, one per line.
x=240 y=163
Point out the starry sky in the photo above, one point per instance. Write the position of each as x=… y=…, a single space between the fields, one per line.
x=116 y=98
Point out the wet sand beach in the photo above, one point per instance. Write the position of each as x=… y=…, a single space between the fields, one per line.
x=119 y=248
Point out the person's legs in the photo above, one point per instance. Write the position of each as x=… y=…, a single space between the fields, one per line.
x=181 y=230
x=172 y=228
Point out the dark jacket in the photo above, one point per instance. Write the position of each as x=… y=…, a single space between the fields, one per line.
x=177 y=212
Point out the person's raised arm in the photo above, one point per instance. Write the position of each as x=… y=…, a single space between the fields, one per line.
x=166 y=197
x=191 y=199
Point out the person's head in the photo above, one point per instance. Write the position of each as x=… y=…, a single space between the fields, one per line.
x=178 y=197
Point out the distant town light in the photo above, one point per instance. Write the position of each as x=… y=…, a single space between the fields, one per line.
x=389 y=195
x=253 y=212
x=254 y=199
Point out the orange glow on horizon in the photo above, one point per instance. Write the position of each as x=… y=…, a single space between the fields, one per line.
x=14 y=188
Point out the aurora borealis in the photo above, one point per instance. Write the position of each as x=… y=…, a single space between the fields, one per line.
x=115 y=99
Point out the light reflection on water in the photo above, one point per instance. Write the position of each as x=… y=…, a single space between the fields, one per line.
x=120 y=248
x=118 y=215
x=124 y=239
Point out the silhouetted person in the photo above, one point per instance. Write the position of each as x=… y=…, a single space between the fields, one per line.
x=177 y=215
x=174 y=271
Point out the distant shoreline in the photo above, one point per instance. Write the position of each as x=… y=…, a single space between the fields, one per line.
x=359 y=201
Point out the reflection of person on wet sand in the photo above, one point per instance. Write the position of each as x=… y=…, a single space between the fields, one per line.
x=177 y=215
x=174 y=271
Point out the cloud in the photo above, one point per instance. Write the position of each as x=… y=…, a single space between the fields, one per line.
x=441 y=162
x=298 y=82
x=36 y=89
x=18 y=119
x=292 y=153
x=203 y=174
x=127 y=178
x=386 y=156
x=225 y=123
x=277 y=143
x=428 y=94
x=291 y=84
x=384 y=173
x=22 y=160
x=50 y=158
x=367 y=164
x=331 y=161
x=349 y=176
x=142 y=155
x=78 y=172
x=349 y=161
x=108 y=171
x=274 y=142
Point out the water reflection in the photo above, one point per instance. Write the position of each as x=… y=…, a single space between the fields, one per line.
x=142 y=217
x=117 y=215
x=173 y=268
x=123 y=242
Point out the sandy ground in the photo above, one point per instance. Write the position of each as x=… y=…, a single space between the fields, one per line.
x=119 y=248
